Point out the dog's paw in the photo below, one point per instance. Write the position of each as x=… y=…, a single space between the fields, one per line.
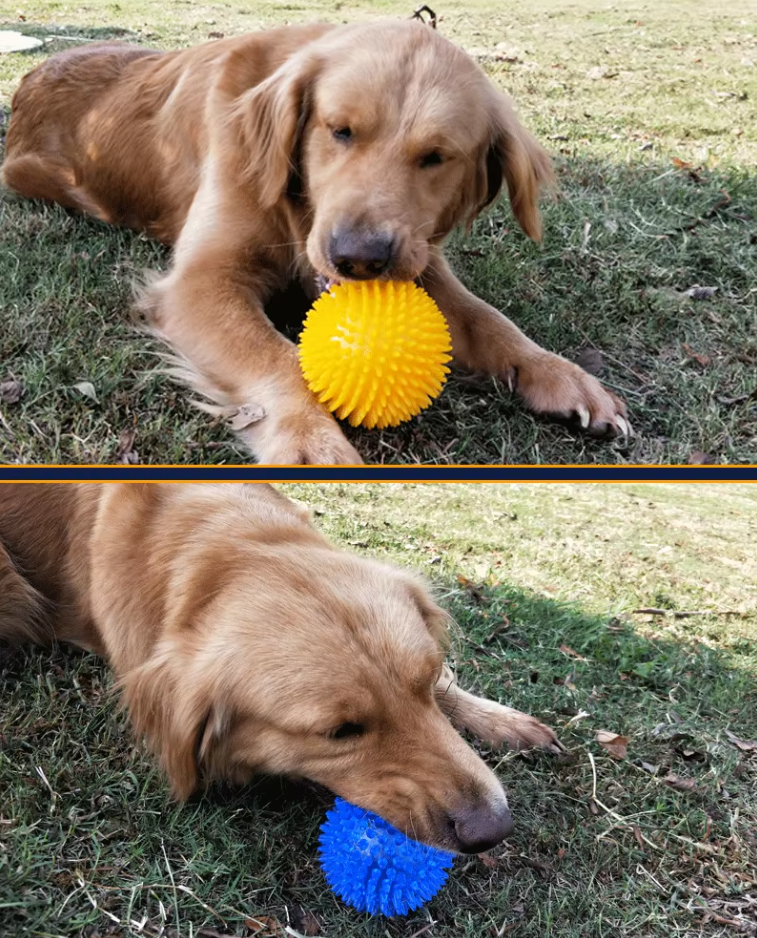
x=526 y=732
x=312 y=451
x=553 y=385
x=501 y=726
x=304 y=442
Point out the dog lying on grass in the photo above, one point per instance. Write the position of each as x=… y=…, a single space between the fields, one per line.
x=243 y=642
x=308 y=153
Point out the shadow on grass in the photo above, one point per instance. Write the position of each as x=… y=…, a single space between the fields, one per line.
x=622 y=247
x=86 y=816
x=59 y=38
x=55 y=32
x=623 y=244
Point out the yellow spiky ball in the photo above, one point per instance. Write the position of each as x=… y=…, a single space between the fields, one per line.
x=375 y=352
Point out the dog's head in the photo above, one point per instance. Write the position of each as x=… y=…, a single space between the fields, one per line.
x=280 y=654
x=389 y=136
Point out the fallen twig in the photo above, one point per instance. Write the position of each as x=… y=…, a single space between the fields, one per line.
x=618 y=817
x=711 y=915
x=676 y=614
x=71 y=38
x=739 y=399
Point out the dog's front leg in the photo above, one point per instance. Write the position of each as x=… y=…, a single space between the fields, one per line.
x=486 y=341
x=491 y=722
x=23 y=611
x=208 y=309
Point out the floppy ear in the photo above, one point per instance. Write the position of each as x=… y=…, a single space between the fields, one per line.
x=269 y=120
x=437 y=620
x=514 y=156
x=184 y=730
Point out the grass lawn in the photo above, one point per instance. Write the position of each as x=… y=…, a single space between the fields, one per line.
x=648 y=108
x=546 y=584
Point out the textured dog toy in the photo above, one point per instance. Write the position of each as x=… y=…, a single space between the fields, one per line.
x=375 y=352
x=374 y=867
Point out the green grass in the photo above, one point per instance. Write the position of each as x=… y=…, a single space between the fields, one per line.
x=618 y=93
x=602 y=848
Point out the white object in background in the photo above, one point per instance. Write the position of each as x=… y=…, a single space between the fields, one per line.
x=11 y=41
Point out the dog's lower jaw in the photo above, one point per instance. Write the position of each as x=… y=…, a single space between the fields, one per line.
x=324 y=283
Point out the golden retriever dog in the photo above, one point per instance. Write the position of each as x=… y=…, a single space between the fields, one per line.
x=307 y=153
x=243 y=642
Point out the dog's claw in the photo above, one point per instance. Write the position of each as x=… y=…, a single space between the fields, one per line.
x=584 y=417
x=512 y=379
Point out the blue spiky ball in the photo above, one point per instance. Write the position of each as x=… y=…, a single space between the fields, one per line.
x=374 y=867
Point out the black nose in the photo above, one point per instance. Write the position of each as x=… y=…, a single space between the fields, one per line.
x=482 y=827
x=360 y=255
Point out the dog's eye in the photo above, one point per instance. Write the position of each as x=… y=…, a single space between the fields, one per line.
x=346 y=730
x=342 y=133
x=434 y=158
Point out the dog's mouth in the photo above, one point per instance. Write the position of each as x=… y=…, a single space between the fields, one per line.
x=324 y=284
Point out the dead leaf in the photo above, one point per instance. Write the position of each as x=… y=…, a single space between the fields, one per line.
x=567 y=650
x=700 y=293
x=503 y=626
x=577 y=717
x=125 y=452
x=543 y=868
x=703 y=360
x=591 y=360
x=489 y=862
x=470 y=587
x=699 y=458
x=614 y=744
x=691 y=755
x=212 y=933
x=507 y=53
x=680 y=784
x=11 y=391
x=263 y=925
x=304 y=921
x=680 y=164
x=745 y=745
x=600 y=71
x=246 y=415
x=87 y=389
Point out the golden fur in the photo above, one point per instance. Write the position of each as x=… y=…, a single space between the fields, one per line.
x=298 y=153
x=243 y=642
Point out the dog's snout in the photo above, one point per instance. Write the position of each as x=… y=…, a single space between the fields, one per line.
x=482 y=827
x=360 y=255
